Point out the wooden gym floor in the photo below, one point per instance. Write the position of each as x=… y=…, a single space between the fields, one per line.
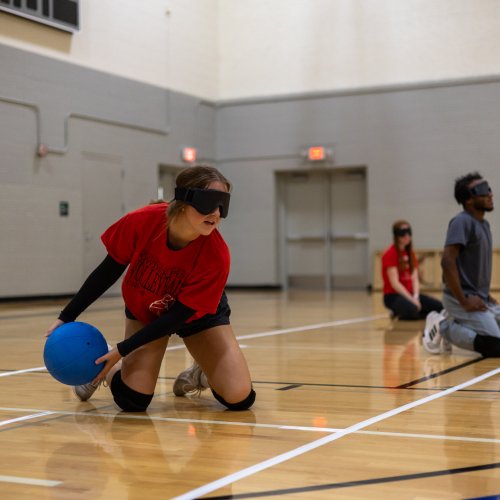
x=348 y=406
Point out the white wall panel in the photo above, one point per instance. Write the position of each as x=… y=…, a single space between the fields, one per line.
x=168 y=43
x=273 y=47
x=227 y=49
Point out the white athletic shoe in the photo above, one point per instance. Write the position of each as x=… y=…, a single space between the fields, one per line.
x=191 y=381
x=432 y=339
x=84 y=392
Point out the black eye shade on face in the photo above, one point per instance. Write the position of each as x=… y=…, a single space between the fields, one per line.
x=204 y=201
x=402 y=231
x=481 y=189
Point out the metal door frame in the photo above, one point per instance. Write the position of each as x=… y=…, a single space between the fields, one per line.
x=328 y=237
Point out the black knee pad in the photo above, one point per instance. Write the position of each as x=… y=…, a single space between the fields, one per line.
x=240 y=406
x=488 y=346
x=126 y=398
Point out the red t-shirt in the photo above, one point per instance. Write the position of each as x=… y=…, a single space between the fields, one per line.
x=390 y=259
x=158 y=276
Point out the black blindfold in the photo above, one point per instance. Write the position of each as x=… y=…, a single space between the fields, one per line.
x=402 y=231
x=481 y=189
x=204 y=201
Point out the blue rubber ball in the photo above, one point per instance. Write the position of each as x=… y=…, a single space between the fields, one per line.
x=71 y=350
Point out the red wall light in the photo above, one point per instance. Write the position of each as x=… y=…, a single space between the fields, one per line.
x=316 y=153
x=188 y=155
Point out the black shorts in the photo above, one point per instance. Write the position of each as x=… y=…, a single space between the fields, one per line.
x=221 y=317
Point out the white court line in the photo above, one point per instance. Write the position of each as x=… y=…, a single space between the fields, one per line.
x=26 y=417
x=305 y=328
x=431 y=436
x=231 y=478
x=17 y=372
x=246 y=424
x=29 y=480
x=251 y=336
x=341 y=322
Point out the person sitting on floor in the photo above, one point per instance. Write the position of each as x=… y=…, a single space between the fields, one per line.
x=401 y=281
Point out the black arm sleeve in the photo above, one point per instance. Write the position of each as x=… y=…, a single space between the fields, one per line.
x=101 y=278
x=166 y=324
